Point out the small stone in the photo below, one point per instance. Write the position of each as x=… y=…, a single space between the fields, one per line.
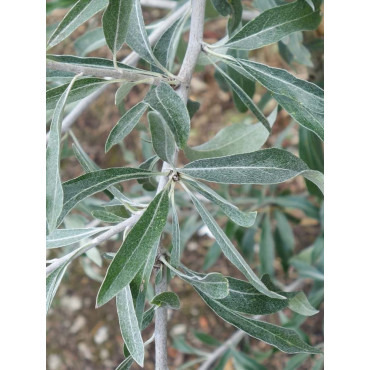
x=71 y=303
x=78 y=324
x=84 y=350
x=178 y=330
x=54 y=362
x=104 y=354
x=101 y=335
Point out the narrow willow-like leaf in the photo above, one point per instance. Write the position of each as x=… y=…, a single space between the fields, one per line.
x=52 y=283
x=79 y=14
x=89 y=165
x=82 y=88
x=286 y=340
x=230 y=251
x=63 y=237
x=90 y=41
x=243 y=219
x=303 y=100
x=106 y=216
x=238 y=138
x=292 y=49
x=213 y=284
x=122 y=92
x=165 y=100
x=274 y=24
x=311 y=151
x=136 y=36
x=176 y=238
x=284 y=239
x=297 y=301
x=245 y=298
x=245 y=98
x=135 y=248
x=54 y=189
x=267 y=248
x=129 y=325
x=148 y=317
x=166 y=46
x=162 y=138
x=139 y=285
x=167 y=299
x=268 y=166
x=115 y=21
x=300 y=304
x=126 y=364
x=125 y=125
x=92 y=62
x=86 y=185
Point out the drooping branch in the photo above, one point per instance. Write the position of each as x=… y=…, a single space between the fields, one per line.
x=131 y=76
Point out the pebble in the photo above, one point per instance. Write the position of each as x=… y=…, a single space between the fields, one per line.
x=54 y=362
x=78 y=324
x=71 y=303
x=101 y=335
x=178 y=330
x=84 y=350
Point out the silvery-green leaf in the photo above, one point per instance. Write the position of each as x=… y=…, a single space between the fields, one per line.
x=58 y=4
x=106 y=216
x=243 y=297
x=237 y=138
x=213 y=284
x=286 y=340
x=115 y=21
x=148 y=317
x=125 y=125
x=274 y=24
x=284 y=239
x=79 y=14
x=268 y=166
x=129 y=325
x=303 y=100
x=296 y=361
x=165 y=100
x=167 y=299
x=126 y=364
x=58 y=76
x=94 y=255
x=135 y=249
x=92 y=62
x=267 y=248
x=89 y=41
x=82 y=88
x=243 y=219
x=122 y=92
x=176 y=238
x=63 y=237
x=297 y=301
x=244 y=97
x=89 y=165
x=311 y=151
x=86 y=185
x=162 y=138
x=54 y=189
x=139 y=285
x=212 y=256
x=300 y=304
x=52 y=283
x=230 y=251
x=136 y=36
x=166 y=46
x=291 y=48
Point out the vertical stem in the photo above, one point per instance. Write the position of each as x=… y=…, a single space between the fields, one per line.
x=185 y=74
